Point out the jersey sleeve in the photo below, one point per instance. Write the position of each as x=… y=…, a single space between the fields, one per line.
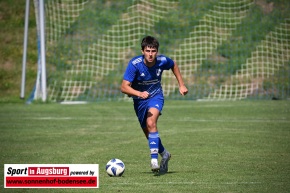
x=166 y=62
x=130 y=73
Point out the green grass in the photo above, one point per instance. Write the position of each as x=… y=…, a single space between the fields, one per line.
x=216 y=146
x=12 y=15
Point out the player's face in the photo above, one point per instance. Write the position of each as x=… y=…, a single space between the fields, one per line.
x=149 y=55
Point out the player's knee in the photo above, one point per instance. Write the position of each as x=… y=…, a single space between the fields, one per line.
x=151 y=125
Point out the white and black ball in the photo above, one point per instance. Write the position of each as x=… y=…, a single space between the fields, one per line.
x=115 y=167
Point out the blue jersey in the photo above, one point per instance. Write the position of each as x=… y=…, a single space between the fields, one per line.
x=144 y=78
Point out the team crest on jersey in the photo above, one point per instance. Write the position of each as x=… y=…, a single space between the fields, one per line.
x=158 y=71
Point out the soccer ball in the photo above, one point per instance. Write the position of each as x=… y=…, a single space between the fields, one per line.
x=115 y=167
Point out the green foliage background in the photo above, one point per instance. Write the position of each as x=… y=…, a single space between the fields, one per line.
x=12 y=29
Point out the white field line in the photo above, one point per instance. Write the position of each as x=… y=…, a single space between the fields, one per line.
x=180 y=183
x=184 y=119
x=174 y=183
x=51 y=118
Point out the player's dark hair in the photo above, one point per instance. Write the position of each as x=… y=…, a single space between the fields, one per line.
x=150 y=42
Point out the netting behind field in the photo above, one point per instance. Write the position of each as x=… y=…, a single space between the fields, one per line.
x=226 y=50
x=60 y=16
x=90 y=73
x=212 y=30
x=269 y=57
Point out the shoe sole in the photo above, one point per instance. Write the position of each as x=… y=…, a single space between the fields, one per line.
x=155 y=170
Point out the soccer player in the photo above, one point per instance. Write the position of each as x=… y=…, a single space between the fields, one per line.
x=142 y=81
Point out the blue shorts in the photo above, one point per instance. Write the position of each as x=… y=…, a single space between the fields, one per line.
x=142 y=106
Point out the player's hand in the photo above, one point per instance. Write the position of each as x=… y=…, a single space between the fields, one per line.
x=183 y=90
x=144 y=95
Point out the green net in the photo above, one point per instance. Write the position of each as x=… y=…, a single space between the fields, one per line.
x=226 y=50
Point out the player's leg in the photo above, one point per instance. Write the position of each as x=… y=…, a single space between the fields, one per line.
x=161 y=149
x=155 y=143
x=141 y=110
x=156 y=106
x=153 y=137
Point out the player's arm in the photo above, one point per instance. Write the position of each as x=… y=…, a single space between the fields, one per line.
x=127 y=89
x=182 y=88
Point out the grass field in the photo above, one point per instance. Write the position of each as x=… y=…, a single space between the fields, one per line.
x=216 y=146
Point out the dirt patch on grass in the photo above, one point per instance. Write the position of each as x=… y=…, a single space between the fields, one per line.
x=7 y=66
x=265 y=6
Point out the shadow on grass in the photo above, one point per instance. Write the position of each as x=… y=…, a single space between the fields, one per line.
x=160 y=173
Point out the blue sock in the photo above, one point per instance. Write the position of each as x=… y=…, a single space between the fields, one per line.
x=161 y=148
x=153 y=141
